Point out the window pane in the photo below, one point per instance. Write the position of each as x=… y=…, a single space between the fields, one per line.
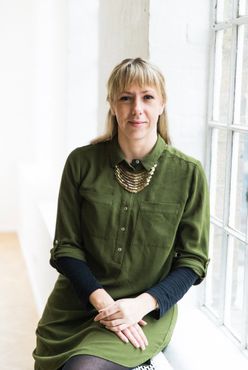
x=243 y=7
x=239 y=183
x=241 y=95
x=222 y=75
x=224 y=10
x=218 y=172
x=235 y=286
x=214 y=281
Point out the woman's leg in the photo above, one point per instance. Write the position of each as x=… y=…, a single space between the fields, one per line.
x=87 y=362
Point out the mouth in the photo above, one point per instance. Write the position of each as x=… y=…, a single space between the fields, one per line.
x=136 y=122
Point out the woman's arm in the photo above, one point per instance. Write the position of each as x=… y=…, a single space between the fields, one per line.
x=162 y=297
x=91 y=292
x=81 y=277
x=171 y=289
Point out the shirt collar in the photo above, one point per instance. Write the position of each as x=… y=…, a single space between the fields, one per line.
x=116 y=155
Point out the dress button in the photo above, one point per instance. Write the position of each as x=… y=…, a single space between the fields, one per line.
x=137 y=161
x=125 y=208
x=123 y=228
x=119 y=249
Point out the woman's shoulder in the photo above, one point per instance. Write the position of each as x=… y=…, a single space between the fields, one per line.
x=179 y=156
x=87 y=151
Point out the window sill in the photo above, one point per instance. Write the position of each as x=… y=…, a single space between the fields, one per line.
x=198 y=344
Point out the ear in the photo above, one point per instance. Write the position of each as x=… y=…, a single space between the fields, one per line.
x=112 y=109
x=162 y=109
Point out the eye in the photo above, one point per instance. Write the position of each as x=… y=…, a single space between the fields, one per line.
x=148 y=97
x=125 y=98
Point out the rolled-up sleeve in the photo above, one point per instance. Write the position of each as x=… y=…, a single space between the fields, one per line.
x=68 y=233
x=191 y=248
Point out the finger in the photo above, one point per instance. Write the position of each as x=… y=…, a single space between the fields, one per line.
x=108 y=311
x=142 y=334
x=142 y=323
x=111 y=323
x=117 y=328
x=131 y=338
x=115 y=316
x=136 y=334
x=122 y=336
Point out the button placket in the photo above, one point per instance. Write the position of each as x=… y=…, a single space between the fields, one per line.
x=123 y=227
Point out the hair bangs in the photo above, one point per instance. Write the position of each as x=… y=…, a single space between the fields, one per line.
x=134 y=73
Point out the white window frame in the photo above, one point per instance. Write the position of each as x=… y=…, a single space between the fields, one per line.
x=233 y=130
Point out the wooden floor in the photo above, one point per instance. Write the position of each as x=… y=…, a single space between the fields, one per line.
x=18 y=316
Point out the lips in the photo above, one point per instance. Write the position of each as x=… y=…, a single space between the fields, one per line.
x=136 y=122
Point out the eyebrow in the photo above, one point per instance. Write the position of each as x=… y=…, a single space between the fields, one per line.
x=142 y=92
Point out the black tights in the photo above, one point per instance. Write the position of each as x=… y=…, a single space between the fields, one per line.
x=86 y=362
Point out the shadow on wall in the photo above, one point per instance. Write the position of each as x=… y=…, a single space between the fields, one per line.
x=118 y=22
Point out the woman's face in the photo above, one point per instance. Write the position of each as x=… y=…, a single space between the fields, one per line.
x=137 y=110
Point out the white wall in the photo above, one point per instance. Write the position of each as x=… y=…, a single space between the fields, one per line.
x=179 y=44
x=82 y=73
x=16 y=64
x=48 y=90
x=38 y=178
x=64 y=116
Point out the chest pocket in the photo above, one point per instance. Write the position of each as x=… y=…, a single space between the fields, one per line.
x=157 y=223
x=95 y=213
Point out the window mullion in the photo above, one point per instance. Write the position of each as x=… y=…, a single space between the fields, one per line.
x=228 y=282
x=236 y=128
x=244 y=334
x=234 y=175
x=240 y=50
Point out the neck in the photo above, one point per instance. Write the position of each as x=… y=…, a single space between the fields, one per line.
x=136 y=149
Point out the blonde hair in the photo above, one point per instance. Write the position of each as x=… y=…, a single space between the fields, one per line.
x=126 y=73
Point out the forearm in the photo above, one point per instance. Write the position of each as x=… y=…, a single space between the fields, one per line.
x=171 y=289
x=80 y=276
x=147 y=302
x=100 y=299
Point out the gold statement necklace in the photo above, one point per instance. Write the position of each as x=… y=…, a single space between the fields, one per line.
x=133 y=182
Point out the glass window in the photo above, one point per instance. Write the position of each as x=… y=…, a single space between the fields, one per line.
x=226 y=294
x=239 y=188
x=222 y=75
x=218 y=172
x=241 y=96
x=214 y=287
x=235 y=286
x=224 y=10
x=243 y=7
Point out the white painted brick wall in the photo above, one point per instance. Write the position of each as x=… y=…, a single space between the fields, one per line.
x=179 y=44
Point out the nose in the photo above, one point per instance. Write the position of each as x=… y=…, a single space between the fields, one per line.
x=137 y=107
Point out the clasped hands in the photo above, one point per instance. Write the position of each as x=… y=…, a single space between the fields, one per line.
x=125 y=318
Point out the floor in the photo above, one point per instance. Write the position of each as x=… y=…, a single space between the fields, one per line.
x=18 y=316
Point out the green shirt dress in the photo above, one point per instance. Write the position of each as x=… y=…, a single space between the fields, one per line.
x=130 y=241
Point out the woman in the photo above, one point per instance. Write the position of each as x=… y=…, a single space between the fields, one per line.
x=131 y=235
